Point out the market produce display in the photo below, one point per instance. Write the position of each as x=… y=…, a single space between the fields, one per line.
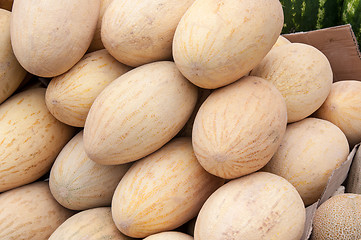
x=179 y=120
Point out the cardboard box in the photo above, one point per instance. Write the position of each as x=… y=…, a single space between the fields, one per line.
x=340 y=46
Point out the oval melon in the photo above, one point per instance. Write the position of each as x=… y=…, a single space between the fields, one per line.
x=138 y=113
x=218 y=42
x=49 y=37
x=11 y=72
x=92 y=224
x=342 y=108
x=303 y=75
x=70 y=95
x=235 y=131
x=310 y=150
x=79 y=183
x=140 y=32
x=30 y=212
x=30 y=138
x=257 y=206
x=162 y=191
x=171 y=235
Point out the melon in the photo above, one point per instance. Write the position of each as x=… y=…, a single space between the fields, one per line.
x=137 y=32
x=235 y=131
x=162 y=191
x=303 y=75
x=218 y=42
x=30 y=212
x=30 y=138
x=11 y=72
x=310 y=150
x=138 y=113
x=171 y=235
x=342 y=109
x=338 y=218
x=70 y=95
x=92 y=224
x=260 y=206
x=49 y=37
x=79 y=183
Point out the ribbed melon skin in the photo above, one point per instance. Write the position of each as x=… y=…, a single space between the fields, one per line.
x=91 y=224
x=162 y=191
x=351 y=13
x=306 y=15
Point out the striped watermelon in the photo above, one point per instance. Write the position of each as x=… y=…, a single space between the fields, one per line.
x=351 y=13
x=306 y=15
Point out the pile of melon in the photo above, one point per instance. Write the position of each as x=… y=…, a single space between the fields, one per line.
x=177 y=120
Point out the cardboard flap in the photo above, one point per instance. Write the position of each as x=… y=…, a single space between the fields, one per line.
x=338 y=176
x=310 y=213
x=353 y=184
x=340 y=47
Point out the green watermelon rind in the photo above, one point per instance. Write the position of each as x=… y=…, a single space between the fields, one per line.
x=351 y=13
x=307 y=15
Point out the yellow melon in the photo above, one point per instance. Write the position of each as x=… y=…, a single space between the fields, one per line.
x=11 y=72
x=171 y=235
x=137 y=32
x=138 y=113
x=30 y=212
x=303 y=75
x=235 y=131
x=70 y=95
x=49 y=37
x=79 y=183
x=310 y=150
x=342 y=107
x=218 y=42
x=162 y=191
x=257 y=206
x=30 y=138
x=92 y=224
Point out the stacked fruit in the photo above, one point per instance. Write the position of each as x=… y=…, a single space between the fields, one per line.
x=160 y=112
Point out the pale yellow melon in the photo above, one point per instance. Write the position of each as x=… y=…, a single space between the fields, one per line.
x=260 y=206
x=49 y=37
x=303 y=75
x=239 y=127
x=171 y=235
x=162 y=191
x=138 y=113
x=79 y=183
x=92 y=224
x=137 y=32
x=97 y=43
x=30 y=138
x=342 y=107
x=310 y=150
x=30 y=213
x=338 y=218
x=281 y=40
x=70 y=95
x=11 y=72
x=218 y=42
